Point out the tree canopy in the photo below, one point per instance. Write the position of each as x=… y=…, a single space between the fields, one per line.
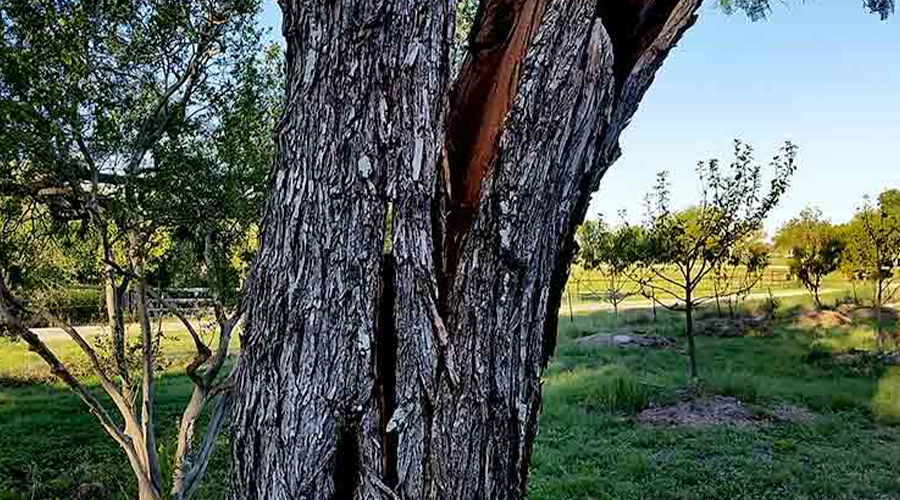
x=815 y=246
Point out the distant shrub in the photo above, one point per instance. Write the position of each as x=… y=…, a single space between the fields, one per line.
x=77 y=306
x=818 y=354
x=770 y=305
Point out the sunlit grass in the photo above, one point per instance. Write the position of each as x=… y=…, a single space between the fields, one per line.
x=18 y=364
x=886 y=402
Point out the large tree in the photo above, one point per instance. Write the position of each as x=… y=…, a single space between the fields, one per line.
x=416 y=375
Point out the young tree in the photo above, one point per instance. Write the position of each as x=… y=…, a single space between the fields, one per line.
x=613 y=252
x=815 y=246
x=684 y=247
x=848 y=265
x=140 y=123
x=874 y=248
x=734 y=276
x=489 y=177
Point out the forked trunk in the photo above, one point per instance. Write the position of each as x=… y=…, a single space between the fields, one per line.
x=417 y=376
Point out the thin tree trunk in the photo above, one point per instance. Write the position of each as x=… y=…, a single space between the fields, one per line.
x=148 y=389
x=417 y=376
x=878 y=316
x=689 y=330
x=716 y=293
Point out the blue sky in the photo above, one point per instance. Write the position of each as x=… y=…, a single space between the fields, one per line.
x=824 y=74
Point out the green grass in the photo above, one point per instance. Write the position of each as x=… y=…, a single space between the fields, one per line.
x=590 y=445
x=587 y=449
x=19 y=366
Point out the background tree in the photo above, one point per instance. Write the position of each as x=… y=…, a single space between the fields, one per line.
x=143 y=126
x=684 y=247
x=815 y=246
x=613 y=252
x=889 y=202
x=488 y=176
x=874 y=247
x=739 y=272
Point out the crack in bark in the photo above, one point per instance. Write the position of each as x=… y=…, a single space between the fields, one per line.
x=348 y=389
x=347 y=466
x=386 y=371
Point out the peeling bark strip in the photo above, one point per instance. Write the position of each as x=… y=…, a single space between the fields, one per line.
x=485 y=210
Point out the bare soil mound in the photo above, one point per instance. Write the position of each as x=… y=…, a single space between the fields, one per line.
x=625 y=338
x=858 y=312
x=733 y=327
x=791 y=413
x=811 y=320
x=721 y=410
x=855 y=357
x=714 y=410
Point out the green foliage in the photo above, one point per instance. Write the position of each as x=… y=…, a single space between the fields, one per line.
x=889 y=202
x=815 y=245
x=614 y=252
x=758 y=10
x=873 y=242
x=721 y=230
x=466 y=12
x=155 y=117
x=873 y=251
x=615 y=389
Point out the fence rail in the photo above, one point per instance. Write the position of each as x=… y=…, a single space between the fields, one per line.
x=594 y=287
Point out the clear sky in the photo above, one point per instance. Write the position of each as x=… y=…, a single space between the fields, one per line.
x=824 y=74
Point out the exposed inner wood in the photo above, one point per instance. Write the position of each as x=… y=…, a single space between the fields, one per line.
x=488 y=85
x=480 y=100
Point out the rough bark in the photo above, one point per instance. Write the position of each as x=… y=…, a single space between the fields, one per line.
x=417 y=376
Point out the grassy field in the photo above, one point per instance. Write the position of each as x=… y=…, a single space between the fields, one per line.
x=19 y=366
x=590 y=285
x=591 y=444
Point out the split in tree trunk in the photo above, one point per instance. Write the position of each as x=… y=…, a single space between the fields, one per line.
x=424 y=382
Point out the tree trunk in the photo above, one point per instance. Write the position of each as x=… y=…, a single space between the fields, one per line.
x=878 y=316
x=689 y=330
x=417 y=376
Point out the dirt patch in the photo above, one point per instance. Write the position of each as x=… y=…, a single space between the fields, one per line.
x=733 y=327
x=857 y=312
x=791 y=413
x=858 y=357
x=625 y=338
x=722 y=410
x=713 y=410
x=811 y=320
